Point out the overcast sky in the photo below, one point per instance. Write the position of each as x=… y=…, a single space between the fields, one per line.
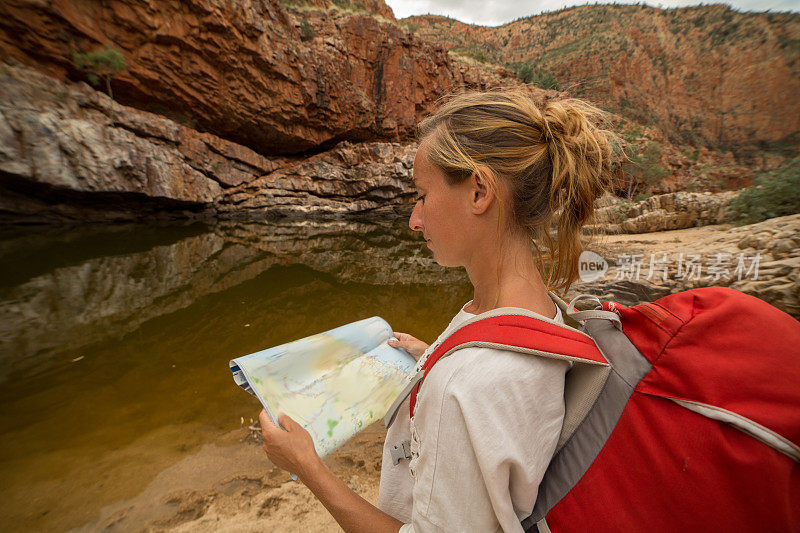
x=496 y=12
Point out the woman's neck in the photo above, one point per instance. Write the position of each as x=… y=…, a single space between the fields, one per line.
x=508 y=279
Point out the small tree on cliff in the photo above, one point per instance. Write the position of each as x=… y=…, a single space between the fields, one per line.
x=100 y=64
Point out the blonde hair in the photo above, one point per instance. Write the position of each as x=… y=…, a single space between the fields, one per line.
x=553 y=156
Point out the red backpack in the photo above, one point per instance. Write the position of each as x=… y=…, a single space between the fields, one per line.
x=681 y=415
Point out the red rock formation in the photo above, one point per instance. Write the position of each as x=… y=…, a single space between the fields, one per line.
x=247 y=70
x=702 y=75
x=68 y=152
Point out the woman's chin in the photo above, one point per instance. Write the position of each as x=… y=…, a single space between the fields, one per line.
x=439 y=260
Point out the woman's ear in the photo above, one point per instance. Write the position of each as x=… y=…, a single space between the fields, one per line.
x=482 y=190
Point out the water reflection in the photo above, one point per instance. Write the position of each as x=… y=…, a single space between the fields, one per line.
x=62 y=290
x=114 y=342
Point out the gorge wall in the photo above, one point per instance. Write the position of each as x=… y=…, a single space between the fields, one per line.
x=267 y=108
x=225 y=108
x=244 y=70
x=705 y=75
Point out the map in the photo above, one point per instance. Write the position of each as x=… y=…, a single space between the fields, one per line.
x=334 y=384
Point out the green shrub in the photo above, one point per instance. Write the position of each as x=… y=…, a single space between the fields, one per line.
x=350 y=6
x=645 y=168
x=530 y=73
x=100 y=64
x=775 y=193
x=691 y=154
x=479 y=56
x=306 y=31
x=632 y=135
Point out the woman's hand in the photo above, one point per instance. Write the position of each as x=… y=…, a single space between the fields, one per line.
x=412 y=345
x=291 y=449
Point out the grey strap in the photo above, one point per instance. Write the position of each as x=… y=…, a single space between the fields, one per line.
x=581 y=317
x=573 y=459
x=391 y=414
x=564 y=306
x=744 y=424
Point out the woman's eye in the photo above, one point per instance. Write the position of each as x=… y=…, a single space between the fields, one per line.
x=421 y=197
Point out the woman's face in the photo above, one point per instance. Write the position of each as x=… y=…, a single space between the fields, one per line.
x=441 y=212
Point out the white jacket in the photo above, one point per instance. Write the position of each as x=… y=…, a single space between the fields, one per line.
x=486 y=425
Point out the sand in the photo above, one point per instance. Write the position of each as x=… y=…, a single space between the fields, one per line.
x=229 y=485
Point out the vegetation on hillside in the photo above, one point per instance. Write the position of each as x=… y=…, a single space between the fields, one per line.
x=580 y=49
x=775 y=193
x=528 y=72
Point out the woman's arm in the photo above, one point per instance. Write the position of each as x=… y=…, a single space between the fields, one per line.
x=293 y=450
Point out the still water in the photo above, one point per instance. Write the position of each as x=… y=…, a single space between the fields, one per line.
x=115 y=340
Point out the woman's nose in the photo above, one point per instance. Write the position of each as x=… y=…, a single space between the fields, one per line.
x=415 y=222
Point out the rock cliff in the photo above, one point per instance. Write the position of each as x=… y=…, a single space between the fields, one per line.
x=70 y=153
x=276 y=79
x=267 y=108
x=662 y=212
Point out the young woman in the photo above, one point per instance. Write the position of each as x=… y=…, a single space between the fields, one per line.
x=493 y=170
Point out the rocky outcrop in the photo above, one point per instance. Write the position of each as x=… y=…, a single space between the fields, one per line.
x=361 y=179
x=278 y=80
x=66 y=150
x=760 y=259
x=69 y=153
x=662 y=212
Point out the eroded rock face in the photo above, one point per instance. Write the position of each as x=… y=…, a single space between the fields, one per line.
x=663 y=212
x=366 y=178
x=704 y=74
x=761 y=259
x=246 y=70
x=68 y=152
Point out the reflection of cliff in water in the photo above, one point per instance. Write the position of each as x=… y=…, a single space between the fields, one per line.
x=65 y=288
x=62 y=289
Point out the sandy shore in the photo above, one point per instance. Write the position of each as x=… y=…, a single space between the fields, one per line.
x=231 y=486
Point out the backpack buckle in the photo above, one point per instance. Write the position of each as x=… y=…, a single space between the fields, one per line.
x=401 y=451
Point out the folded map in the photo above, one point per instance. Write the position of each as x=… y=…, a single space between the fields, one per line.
x=334 y=384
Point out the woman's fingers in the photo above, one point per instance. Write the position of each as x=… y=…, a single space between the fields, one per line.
x=268 y=427
x=409 y=343
x=287 y=422
x=402 y=339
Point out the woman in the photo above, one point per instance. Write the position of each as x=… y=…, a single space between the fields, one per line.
x=493 y=169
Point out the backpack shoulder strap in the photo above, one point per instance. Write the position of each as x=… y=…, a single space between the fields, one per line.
x=581 y=317
x=530 y=334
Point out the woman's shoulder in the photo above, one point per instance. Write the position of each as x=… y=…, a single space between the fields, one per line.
x=482 y=369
